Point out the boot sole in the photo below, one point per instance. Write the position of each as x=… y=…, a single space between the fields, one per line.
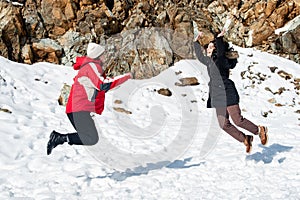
x=251 y=140
x=266 y=135
x=49 y=149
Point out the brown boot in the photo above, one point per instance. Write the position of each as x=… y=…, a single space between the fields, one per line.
x=248 y=143
x=262 y=132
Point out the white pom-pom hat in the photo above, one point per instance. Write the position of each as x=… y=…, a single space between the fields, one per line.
x=94 y=50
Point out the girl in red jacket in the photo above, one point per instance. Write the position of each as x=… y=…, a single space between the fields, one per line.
x=87 y=95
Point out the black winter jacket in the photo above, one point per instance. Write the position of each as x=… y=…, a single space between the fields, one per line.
x=222 y=91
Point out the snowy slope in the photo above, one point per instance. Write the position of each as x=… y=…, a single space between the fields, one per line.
x=168 y=148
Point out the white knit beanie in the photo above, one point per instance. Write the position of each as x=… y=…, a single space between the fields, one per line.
x=94 y=50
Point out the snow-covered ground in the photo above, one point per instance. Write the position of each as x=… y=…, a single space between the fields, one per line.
x=168 y=148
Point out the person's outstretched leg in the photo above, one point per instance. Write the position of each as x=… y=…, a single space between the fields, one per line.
x=237 y=118
x=223 y=119
x=86 y=132
x=235 y=113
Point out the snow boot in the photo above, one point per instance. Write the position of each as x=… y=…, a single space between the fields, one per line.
x=263 y=134
x=248 y=143
x=55 y=139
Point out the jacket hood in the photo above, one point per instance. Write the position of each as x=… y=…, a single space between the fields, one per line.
x=81 y=61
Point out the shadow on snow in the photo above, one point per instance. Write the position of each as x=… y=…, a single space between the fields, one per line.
x=141 y=170
x=268 y=153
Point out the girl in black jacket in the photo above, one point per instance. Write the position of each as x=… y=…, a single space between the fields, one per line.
x=223 y=94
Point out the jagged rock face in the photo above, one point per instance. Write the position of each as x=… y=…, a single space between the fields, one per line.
x=252 y=21
x=144 y=52
x=13 y=35
x=58 y=30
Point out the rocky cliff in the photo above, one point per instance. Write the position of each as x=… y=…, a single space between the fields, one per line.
x=153 y=34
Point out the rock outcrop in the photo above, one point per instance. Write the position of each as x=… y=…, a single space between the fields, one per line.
x=142 y=36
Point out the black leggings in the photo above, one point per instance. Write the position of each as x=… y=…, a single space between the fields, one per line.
x=86 y=130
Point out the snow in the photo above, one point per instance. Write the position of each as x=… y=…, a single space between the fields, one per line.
x=291 y=25
x=168 y=148
x=16 y=2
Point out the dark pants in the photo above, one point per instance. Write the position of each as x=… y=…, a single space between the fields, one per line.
x=86 y=130
x=234 y=112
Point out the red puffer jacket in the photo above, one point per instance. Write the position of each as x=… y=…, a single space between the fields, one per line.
x=89 y=87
